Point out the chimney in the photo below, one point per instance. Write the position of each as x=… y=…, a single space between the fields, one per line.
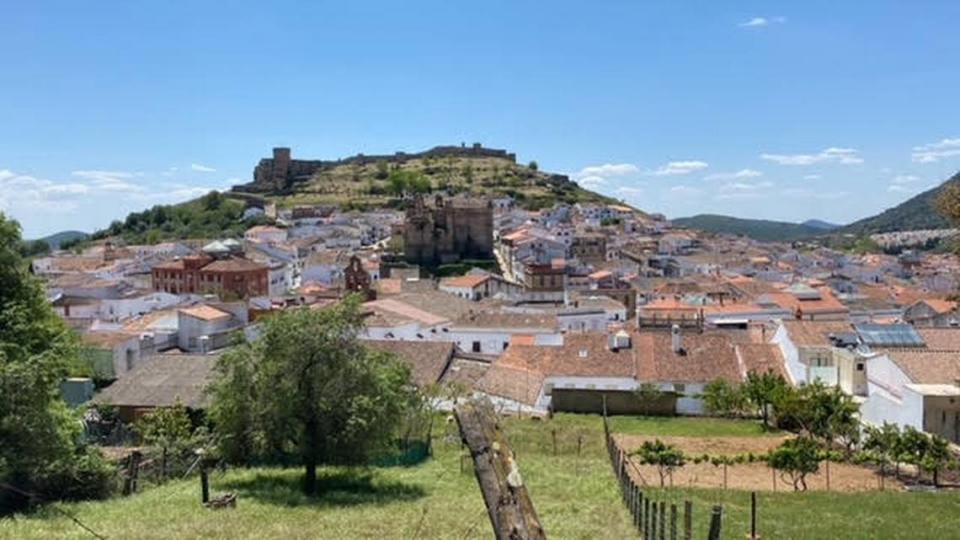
x=676 y=339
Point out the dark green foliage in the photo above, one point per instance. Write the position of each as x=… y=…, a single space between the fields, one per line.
x=664 y=456
x=34 y=248
x=533 y=166
x=401 y=182
x=212 y=216
x=758 y=229
x=762 y=391
x=40 y=451
x=309 y=390
x=918 y=212
x=724 y=399
x=796 y=458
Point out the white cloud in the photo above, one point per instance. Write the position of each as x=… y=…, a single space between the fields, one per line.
x=899 y=188
x=843 y=156
x=201 y=168
x=904 y=179
x=934 y=152
x=742 y=173
x=685 y=191
x=812 y=177
x=757 y=22
x=744 y=190
x=813 y=194
x=630 y=191
x=595 y=176
x=43 y=206
x=680 y=167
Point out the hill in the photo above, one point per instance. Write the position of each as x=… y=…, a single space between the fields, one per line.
x=363 y=181
x=758 y=229
x=64 y=237
x=915 y=213
x=214 y=215
x=820 y=224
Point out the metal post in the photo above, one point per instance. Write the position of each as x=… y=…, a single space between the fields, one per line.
x=646 y=519
x=638 y=519
x=653 y=521
x=687 y=520
x=204 y=484
x=753 y=515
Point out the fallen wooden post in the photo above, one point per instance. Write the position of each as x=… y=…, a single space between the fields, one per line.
x=511 y=512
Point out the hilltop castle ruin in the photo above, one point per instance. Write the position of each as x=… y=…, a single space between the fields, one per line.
x=281 y=172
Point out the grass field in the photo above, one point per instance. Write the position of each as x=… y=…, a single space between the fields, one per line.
x=575 y=495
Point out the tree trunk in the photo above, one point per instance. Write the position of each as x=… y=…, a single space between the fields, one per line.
x=311 y=452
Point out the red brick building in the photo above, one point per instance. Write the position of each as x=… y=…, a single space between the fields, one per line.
x=201 y=274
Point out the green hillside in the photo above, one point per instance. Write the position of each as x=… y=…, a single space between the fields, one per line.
x=913 y=214
x=758 y=229
x=375 y=184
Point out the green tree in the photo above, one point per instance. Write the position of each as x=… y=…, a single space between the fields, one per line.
x=796 y=458
x=882 y=444
x=533 y=166
x=397 y=184
x=383 y=170
x=169 y=429
x=724 y=399
x=648 y=394
x=665 y=457
x=40 y=451
x=936 y=456
x=213 y=200
x=763 y=390
x=314 y=391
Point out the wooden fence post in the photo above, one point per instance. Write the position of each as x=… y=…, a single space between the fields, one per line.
x=646 y=518
x=204 y=483
x=673 y=521
x=687 y=520
x=653 y=520
x=753 y=516
x=663 y=520
x=715 y=517
x=638 y=518
x=133 y=471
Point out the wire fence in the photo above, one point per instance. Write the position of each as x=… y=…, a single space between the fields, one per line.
x=653 y=519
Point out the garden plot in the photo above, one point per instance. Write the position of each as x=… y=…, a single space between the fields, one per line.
x=746 y=476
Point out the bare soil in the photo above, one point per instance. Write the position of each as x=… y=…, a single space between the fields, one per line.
x=748 y=476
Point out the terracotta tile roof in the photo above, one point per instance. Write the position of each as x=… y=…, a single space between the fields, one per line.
x=428 y=360
x=827 y=303
x=762 y=358
x=706 y=357
x=205 y=312
x=106 y=339
x=396 y=307
x=927 y=367
x=465 y=371
x=941 y=339
x=814 y=333
x=162 y=379
x=234 y=264
x=511 y=382
x=508 y=321
x=469 y=281
x=940 y=306
x=390 y=286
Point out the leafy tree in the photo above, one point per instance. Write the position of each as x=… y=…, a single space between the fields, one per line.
x=763 y=391
x=724 y=399
x=882 y=444
x=648 y=394
x=40 y=451
x=383 y=170
x=169 y=429
x=936 y=456
x=313 y=391
x=34 y=248
x=823 y=412
x=664 y=456
x=796 y=458
x=212 y=200
x=533 y=166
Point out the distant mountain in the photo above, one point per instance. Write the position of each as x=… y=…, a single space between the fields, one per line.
x=758 y=229
x=54 y=240
x=913 y=214
x=820 y=224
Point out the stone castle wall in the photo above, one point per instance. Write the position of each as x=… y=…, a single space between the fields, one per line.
x=280 y=172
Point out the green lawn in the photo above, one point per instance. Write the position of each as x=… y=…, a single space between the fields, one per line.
x=574 y=493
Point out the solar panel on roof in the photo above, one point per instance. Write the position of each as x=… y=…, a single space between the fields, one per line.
x=889 y=335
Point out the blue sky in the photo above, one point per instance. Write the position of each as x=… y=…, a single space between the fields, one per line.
x=833 y=110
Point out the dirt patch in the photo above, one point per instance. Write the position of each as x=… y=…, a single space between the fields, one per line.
x=747 y=476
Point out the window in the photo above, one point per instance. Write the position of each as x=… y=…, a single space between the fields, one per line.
x=859 y=366
x=476 y=346
x=679 y=388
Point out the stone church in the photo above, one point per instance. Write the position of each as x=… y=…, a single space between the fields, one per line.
x=448 y=231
